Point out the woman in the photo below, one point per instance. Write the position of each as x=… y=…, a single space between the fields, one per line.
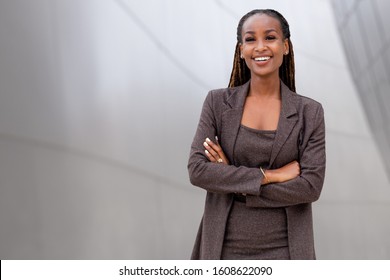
x=259 y=151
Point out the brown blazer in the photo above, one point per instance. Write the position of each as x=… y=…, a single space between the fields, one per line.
x=300 y=136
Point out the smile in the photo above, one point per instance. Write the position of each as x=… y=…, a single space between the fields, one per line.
x=262 y=58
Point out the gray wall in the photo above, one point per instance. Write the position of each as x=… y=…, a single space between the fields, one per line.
x=99 y=101
x=364 y=27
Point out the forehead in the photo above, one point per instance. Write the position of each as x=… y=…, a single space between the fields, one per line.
x=261 y=22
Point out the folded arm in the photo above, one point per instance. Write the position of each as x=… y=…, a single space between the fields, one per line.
x=306 y=187
x=204 y=169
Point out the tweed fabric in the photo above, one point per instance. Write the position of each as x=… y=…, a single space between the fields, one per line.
x=252 y=232
x=300 y=136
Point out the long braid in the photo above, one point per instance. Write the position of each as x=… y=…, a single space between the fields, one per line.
x=241 y=73
x=287 y=69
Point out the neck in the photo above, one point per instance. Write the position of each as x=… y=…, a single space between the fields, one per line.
x=265 y=87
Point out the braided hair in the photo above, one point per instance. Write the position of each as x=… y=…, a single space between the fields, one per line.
x=241 y=73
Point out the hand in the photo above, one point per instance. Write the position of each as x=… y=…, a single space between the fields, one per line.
x=285 y=173
x=214 y=151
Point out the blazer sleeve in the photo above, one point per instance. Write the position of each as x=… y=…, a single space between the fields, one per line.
x=307 y=187
x=216 y=177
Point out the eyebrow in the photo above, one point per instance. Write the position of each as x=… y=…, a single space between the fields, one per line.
x=267 y=31
x=270 y=30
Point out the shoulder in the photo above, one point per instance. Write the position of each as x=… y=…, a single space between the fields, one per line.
x=226 y=93
x=308 y=101
x=308 y=106
x=301 y=104
x=227 y=98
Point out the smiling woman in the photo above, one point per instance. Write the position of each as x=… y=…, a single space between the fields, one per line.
x=241 y=73
x=267 y=162
x=264 y=45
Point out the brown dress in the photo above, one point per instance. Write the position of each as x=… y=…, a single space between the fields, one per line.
x=251 y=232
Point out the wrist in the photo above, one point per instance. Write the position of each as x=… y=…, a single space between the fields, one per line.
x=266 y=179
x=271 y=176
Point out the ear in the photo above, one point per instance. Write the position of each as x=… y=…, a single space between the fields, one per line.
x=286 y=47
x=240 y=50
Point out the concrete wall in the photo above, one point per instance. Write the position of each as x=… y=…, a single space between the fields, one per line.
x=364 y=30
x=99 y=101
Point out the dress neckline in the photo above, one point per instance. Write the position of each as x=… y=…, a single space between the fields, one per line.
x=257 y=130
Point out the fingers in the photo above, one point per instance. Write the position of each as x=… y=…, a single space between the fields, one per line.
x=294 y=168
x=210 y=150
x=213 y=151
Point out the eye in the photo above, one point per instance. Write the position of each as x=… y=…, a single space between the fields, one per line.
x=249 y=39
x=270 y=37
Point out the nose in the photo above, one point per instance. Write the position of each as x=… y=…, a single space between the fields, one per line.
x=261 y=45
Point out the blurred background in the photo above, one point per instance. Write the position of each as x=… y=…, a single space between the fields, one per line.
x=99 y=101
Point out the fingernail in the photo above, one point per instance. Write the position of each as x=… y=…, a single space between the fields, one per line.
x=208 y=140
x=207 y=152
x=216 y=138
x=205 y=144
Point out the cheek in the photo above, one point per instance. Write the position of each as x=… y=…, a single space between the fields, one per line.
x=245 y=50
x=246 y=55
x=279 y=53
x=279 y=60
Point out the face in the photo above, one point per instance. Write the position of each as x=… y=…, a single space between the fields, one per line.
x=263 y=46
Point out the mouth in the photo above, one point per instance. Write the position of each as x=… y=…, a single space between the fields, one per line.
x=262 y=58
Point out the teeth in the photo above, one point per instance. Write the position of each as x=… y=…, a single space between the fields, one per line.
x=263 y=58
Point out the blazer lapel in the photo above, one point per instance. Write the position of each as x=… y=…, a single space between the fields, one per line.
x=287 y=120
x=231 y=118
